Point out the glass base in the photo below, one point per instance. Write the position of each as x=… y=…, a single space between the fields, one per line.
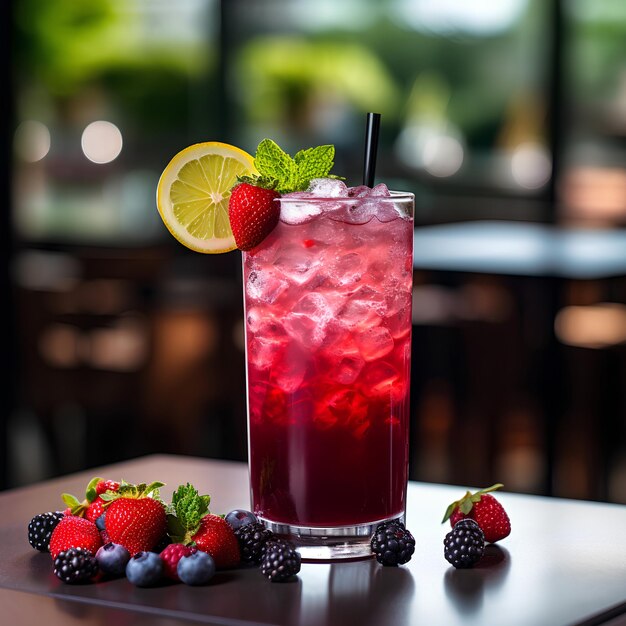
x=329 y=544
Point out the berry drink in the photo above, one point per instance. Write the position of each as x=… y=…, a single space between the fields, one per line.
x=328 y=338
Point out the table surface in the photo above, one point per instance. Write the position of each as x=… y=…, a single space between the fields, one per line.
x=564 y=563
x=519 y=248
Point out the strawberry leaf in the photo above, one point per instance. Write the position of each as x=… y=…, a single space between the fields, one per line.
x=90 y=492
x=70 y=500
x=489 y=489
x=449 y=512
x=466 y=503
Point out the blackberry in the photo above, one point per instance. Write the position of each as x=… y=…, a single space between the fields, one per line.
x=40 y=529
x=280 y=560
x=392 y=543
x=75 y=565
x=464 y=545
x=252 y=539
x=162 y=544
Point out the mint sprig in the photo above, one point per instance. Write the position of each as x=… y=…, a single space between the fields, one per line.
x=188 y=507
x=279 y=171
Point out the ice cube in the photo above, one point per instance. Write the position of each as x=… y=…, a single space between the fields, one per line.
x=379 y=379
x=315 y=306
x=347 y=369
x=346 y=406
x=367 y=302
x=358 y=211
x=264 y=286
x=328 y=188
x=375 y=343
x=296 y=265
x=380 y=190
x=263 y=351
x=308 y=320
x=344 y=358
x=398 y=315
x=292 y=212
x=261 y=321
x=362 y=191
x=346 y=270
x=288 y=373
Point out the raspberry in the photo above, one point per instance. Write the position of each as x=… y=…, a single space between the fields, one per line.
x=75 y=565
x=392 y=543
x=464 y=545
x=171 y=555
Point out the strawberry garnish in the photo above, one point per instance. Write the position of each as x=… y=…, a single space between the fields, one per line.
x=485 y=510
x=189 y=522
x=74 y=532
x=135 y=517
x=253 y=214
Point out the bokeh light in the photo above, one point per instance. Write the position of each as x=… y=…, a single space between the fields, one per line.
x=32 y=141
x=531 y=166
x=101 y=142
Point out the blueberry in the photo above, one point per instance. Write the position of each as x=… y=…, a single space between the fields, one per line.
x=100 y=522
x=240 y=517
x=144 y=569
x=112 y=559
x=196 y=569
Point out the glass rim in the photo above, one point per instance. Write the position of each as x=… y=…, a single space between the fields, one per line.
x=396 y=196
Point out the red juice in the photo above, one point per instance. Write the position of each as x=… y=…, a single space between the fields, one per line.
x=328 y=340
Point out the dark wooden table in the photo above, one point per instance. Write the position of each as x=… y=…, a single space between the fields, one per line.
x=564 y=563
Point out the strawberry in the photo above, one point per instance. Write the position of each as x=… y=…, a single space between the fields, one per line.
x=133 y=518
x=253 y=214
x=189 y=522
x=95 y=509
x=485 y=510
x=216 y=537
x=93 y=506
x=102 y=486
x=74 y=532
x=170 y=555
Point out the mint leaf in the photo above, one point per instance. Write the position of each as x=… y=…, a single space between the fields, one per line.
x=189 y=507
x=277 y=170
x=313 y=163
x=175 y=529
x=271 y=161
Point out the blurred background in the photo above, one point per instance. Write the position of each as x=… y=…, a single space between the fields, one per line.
x=506 y=119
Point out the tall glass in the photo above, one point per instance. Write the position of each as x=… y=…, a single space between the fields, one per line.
x=328 y=339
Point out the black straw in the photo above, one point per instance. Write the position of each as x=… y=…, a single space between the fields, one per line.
x=371 y=148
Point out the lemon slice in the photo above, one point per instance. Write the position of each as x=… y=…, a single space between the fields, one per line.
x=193 y=193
